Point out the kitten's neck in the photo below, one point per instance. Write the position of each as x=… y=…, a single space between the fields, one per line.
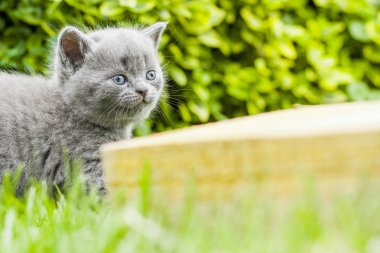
x=121 y=132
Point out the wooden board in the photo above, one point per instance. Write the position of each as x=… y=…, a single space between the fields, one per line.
x=275 y=152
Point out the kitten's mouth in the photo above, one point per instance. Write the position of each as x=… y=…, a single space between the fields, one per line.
x=147 y=100
x=132 y=109
x=142 y=101
x=138 y=107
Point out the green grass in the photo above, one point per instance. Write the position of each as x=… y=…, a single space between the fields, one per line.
x=76 y=222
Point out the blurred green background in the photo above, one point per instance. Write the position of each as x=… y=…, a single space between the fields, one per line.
x=223 y=58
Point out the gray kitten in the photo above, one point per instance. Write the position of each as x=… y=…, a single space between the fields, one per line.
x=103 y=83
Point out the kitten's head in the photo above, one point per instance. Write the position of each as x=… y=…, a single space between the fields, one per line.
x=112 y=77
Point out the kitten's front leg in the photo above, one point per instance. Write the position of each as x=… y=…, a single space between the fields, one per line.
x=94 y=176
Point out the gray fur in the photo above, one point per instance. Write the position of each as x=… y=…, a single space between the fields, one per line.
x=79 y=107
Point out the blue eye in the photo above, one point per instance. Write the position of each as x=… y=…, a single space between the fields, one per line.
x=151 y=75
x=119 y=79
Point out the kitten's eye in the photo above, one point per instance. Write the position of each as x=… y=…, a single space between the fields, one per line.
x=119 y=79
x=151 y=75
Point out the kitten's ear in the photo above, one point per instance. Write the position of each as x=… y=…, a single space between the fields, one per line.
x=155 y=31
x=72 y=47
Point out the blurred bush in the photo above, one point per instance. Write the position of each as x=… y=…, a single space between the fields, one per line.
x=224 y=58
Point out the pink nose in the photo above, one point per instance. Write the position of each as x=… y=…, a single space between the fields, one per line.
x=143 y=92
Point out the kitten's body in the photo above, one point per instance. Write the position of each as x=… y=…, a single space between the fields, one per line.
x=36 y=126
x=74 y=111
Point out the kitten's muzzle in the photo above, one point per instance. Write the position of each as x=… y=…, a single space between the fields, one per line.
x=143 y=92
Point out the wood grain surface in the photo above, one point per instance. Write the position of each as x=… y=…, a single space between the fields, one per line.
x=336 y=147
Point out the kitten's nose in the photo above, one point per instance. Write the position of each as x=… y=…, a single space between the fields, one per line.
x=142 y=91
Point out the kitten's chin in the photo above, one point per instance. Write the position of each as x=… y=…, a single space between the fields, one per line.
x=115 y=117
x=120 y=122
x=122 y=119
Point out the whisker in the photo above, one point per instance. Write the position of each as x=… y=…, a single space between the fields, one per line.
x=162 y=116
x=170 y=106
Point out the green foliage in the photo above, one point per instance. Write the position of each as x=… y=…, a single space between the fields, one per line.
x=224 y=58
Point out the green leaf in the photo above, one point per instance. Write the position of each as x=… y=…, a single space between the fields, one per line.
x=178 y=75
x=358 y=91
x=138 y=6
x=30 y=15
x=211 y=39
x=200 y=110
x=201 y=17
x=190 y=63
x=176 y=52
x=111 y=9
x=203 y=77
x=252 y=108
x=202 y=92
x=250 y=19
x=240 y=93
x=287 y=49
x=372 y=53
x=358 y=31
x=373 y=30
x=185 y=113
